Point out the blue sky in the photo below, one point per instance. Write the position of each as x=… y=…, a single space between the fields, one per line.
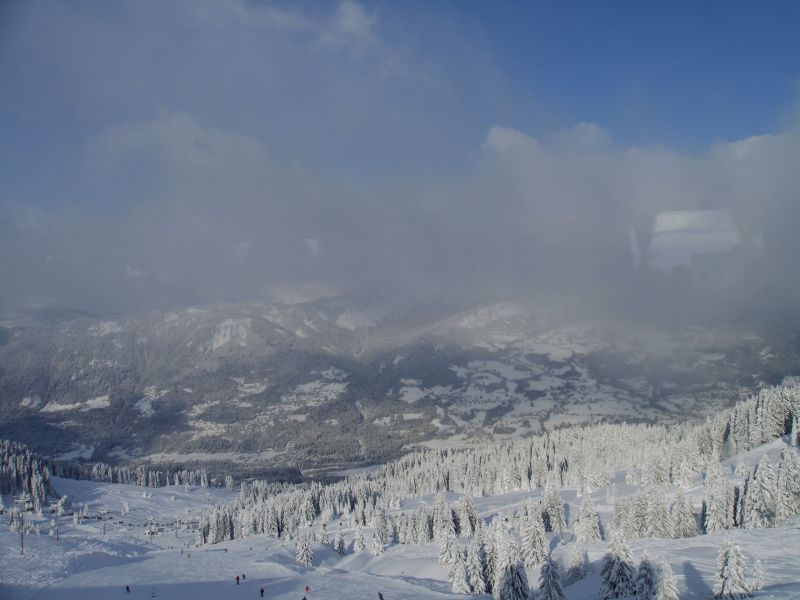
x=426 y=139
x=685 y=74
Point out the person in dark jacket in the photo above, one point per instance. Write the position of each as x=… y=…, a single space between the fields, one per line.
x=262 y=592
x=237 y=580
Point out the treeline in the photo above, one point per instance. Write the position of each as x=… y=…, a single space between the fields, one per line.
x=24 y=473
x=139 y=475
x=586 y=457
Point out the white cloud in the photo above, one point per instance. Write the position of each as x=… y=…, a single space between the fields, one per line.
x=752 y=146
x=173 y=139
x=505 y=140
x=582 y=137
x=134 y=272
x=351 y=26
x=241 y=249
x=259 y=15
x=531 y=208
x=313 y=245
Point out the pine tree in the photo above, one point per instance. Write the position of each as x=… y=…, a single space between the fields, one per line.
x=757 y=582
x=621 y=517
x=534 y=541
x=447 y=552
x=476 y=567
x=788 y=484
x=636 y=524
x=683 y=521
x=382 y=527
x=442 y=518
x=740 y=470
x=730 y=499
x=743 y=506
x=576 y=570
x=458 y=575
x=666 y=588
x=423 y=526
x=659 y=523
x=554 y=511
x=686 y=472
x=359 y=545
x=775 y=421
x=305 y=555
x=645 y=579
x=511 y=580
x=618 y=573
x=489 y=537
x=755 y=438
x=468 y=516
x=729 y=581
x=308 y=513
x=716 y=515
x=550 y=581
x=377 y=547
x=338 y=541
x=762 y=496
x=587 y=527
x=323 y=536
x=714 y=477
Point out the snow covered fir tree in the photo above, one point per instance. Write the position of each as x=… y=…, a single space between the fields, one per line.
x=550 y=587
x=730 y=582
x=24 y=473
x=659 y=464
x=618 y=572
x=608 y=507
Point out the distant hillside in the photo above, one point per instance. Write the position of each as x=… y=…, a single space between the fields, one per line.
x=333 y=383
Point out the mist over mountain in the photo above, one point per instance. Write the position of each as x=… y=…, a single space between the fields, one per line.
x=361 y=149
x=332 y=382
x=336 y=231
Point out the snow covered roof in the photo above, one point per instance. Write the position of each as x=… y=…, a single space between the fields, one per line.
x=679 y=235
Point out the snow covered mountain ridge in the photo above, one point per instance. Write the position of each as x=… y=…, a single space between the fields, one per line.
x=331 y=383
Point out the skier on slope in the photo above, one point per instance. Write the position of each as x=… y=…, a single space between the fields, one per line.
x=237 y=580
x=380 y=596
x=262 y=592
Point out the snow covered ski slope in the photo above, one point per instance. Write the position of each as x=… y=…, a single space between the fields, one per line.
x=600 y=510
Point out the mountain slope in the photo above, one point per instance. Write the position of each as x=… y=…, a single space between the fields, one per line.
x=334 y=382
x=154 y=547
